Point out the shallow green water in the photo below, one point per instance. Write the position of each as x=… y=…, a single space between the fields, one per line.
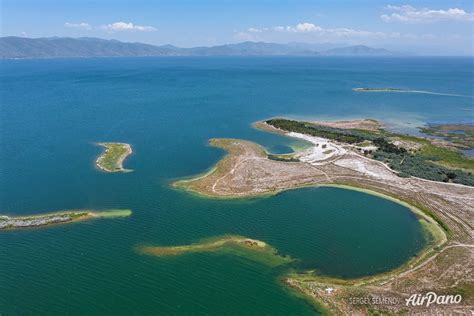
x=54 y=111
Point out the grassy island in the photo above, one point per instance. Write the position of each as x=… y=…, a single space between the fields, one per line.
x=435 y=182
x=111 y=160
x=237 y=245
x=18 y=222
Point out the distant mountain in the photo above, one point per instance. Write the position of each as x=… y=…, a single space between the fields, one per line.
x=54 y=47
x=62 y=47
x=247 y=49
x=316 y=46
x=358 y=50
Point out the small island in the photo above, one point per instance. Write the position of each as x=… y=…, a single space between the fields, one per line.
x=236 y=245
x=111 y=160
x=380 y=90
x=18 y=222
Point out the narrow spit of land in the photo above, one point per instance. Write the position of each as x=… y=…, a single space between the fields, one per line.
x=63 y=217
x=111 y=160
x=434 y=182
x=373 y=89
x=380 y=90
x=237 y=245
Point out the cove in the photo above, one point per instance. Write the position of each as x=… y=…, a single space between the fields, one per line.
x=338 y=232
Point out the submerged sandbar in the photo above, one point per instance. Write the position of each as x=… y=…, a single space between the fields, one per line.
x=237 y=245
x=111 y=160
x=62 y=217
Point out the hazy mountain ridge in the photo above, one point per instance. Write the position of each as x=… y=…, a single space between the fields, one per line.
x=63 y=47
x=359 y=50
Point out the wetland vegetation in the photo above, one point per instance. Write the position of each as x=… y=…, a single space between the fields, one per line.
x=460 y=135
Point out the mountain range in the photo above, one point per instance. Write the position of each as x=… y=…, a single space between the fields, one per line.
x=64 y=47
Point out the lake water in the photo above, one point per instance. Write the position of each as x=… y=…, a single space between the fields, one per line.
x=53 y=111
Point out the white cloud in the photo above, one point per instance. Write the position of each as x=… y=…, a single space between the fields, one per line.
x=82 y=25
x=409 y=14
x=124 y=26
x=307 y=27
x=246 y=36
x=24 y=34
x=298 y=28
x=311 y=28
x=254 y=30
x=306 y=31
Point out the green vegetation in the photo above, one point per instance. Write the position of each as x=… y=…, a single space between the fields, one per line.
x=442 y=224
x=443 y=156
x=112 y=158
x=283 y=157
x=429 y=162
x=337 y=134
x=422 y=166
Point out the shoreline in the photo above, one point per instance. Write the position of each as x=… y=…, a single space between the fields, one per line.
x=433 y=203
x=435 y=230
x=432 y=228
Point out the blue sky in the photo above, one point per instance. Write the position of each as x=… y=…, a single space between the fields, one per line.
x=435 y=27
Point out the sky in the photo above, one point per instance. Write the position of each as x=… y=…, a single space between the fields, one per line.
x=424 y=27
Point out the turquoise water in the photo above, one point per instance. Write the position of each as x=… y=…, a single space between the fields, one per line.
x=53 y=111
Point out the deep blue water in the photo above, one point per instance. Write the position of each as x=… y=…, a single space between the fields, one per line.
x=53 y=111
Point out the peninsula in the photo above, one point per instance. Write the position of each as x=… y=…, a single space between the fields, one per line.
x=8 y=222
x=111 y=160
x=436 y=183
